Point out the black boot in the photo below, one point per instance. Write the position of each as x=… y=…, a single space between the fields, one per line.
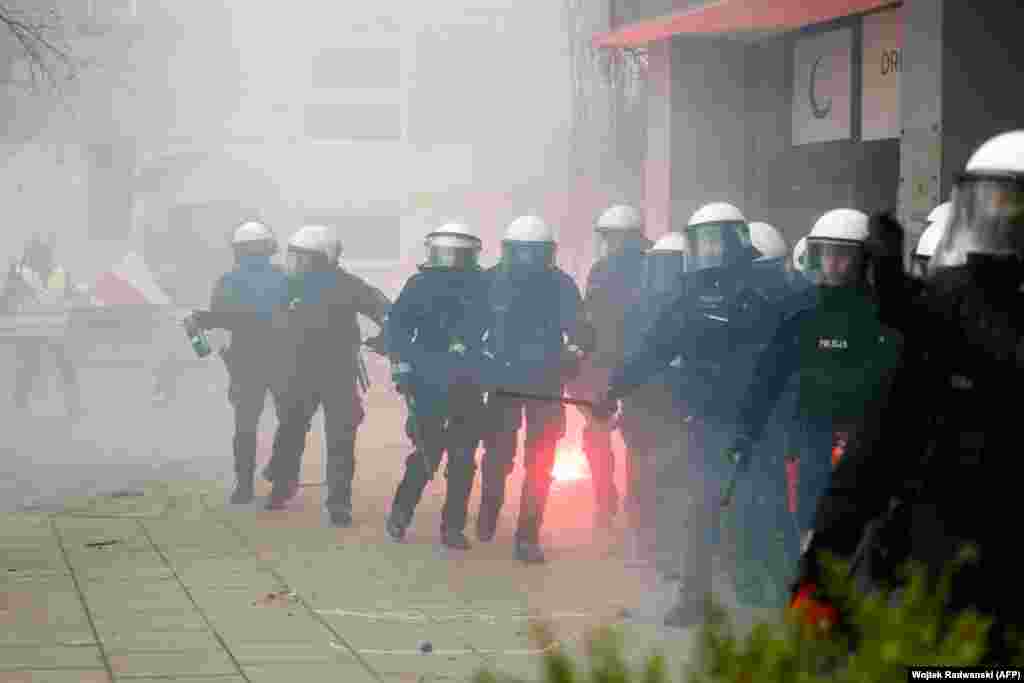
x=531 y=517
x=245 y=468
x=493 y=475
x=459 y=474
x=455 y=539
x=408 y=495
x=394 y=525
x=243 y=493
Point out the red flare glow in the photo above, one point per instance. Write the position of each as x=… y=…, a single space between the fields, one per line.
x=570 y=465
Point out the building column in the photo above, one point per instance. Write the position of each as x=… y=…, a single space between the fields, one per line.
x=921 y=106
x=962 y=64
x=658 y=163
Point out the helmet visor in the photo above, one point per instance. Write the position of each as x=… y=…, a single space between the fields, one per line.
x=987 y=218
x=300 y=261
x=714 y=245
x=613 y=241
x=835 y=263
x=706 y=245
x=455 y=258
x=919 y=265
x=255 y=248
x=534 y=255
x=663 y=271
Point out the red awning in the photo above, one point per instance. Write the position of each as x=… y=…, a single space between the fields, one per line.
x=736 y=16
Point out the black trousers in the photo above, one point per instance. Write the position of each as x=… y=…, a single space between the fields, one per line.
x=545 y=425
x=440 y=423
x=343 y=413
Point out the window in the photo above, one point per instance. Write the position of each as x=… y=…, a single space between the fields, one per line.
x=353 y=121
x=364 y=238
x=357 y=68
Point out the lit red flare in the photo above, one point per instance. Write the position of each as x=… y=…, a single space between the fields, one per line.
x=570 y=465
x=814 y=612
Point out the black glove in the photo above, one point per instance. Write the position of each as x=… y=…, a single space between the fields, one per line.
x=738 y=453
x=885 y=238
x=401 y=375
x=572 y=363
x=377 y=344
x=204 y=320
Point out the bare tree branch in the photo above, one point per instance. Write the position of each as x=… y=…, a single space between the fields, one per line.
x=40 y=38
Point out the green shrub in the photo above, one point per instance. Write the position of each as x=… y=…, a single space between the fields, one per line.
x=892 y=634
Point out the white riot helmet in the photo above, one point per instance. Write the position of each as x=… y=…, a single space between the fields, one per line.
x=835 y=248
x=988 y=205
x=664 y=264
x=453 y=246
x=800 y=255
x=255 y=239
x=616 y=227
x=767 y=240
x=717 y=235
x=529 y=242
x=313 y=248
x=938 y=219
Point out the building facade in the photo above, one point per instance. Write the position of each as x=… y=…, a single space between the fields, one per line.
x=789 y=109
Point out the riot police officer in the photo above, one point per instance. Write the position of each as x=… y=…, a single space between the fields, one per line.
x=322 y=366
x=652 y=422
x=942 y=444
x=435 y=335
x=841 y=352
x=714 y=327
x=537 y=317
x=611 y=291
x=245 y=301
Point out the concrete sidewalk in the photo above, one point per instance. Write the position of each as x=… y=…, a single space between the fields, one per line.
x=173 y=584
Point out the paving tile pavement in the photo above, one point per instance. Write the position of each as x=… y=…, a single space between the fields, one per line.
x=173 y=584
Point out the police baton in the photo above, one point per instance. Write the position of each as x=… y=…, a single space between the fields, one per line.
x=730 y=487
x=545 y=398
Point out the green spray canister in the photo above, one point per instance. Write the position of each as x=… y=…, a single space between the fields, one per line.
x=197 y=337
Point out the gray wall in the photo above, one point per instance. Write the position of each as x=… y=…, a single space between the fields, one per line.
x=791 y=186
x=708 y=128
x=731 y=137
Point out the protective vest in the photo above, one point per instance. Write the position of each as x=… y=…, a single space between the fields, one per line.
x=438 y=324
x=729 y=325
x=530 y=312
x=846 y=355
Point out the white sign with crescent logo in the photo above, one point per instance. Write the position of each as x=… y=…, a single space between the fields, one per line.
x=822 y=84
x=880 y=100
